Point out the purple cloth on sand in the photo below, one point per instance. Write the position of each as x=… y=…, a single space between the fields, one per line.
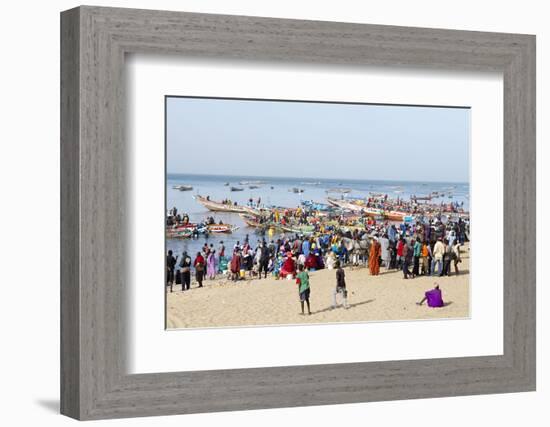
x=434 y=298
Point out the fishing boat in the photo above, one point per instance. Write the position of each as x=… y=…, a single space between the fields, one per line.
x=298 y=229
x=339 y=190
x=296 y=190
x=395 y=215
x=222 y=228
x=251 y=182
x=250 y=220
x=310 y=204
x=226 y=184
x=253 y=187
x=236 y=189
x=356 y=206
x=254 y=222
x=183 y=187
x=225 y=207
x=179 y=233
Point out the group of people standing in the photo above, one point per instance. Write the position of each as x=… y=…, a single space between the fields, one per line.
x=205 y=265
x=418 y=257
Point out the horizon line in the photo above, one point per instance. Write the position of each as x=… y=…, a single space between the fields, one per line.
x=313 y=178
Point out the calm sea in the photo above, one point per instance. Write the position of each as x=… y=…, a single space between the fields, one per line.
x=275 y=191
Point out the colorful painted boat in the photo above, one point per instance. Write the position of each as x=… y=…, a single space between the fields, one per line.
x=179 y=233
x=225 y=207
x=222 y=228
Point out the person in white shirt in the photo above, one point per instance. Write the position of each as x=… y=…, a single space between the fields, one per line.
x=438 y=252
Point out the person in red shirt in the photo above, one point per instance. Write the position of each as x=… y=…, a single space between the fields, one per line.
x=199 y=265
x=400 y=245
x=288 y=267
x=235 y=265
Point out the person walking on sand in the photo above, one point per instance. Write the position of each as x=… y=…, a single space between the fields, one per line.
x=385 y=251
x=417 y=252
x=399 y=252
x=263 y=260
x=302 y=280
x=438 y=252
x=211 y=265
x=170 y=266
x=199 y=265
x=340 y=287
x=407 y=258
x=456 y=256
x=447 y=259
x=185 y=269
x=425 y=252
x=374 y=258
x=235 y=265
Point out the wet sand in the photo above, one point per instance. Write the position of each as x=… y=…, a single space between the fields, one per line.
x=222 y=303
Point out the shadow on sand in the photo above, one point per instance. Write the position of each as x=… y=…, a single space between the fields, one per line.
x=329 y=308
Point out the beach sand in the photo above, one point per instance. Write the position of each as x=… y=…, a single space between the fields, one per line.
x=222 y=303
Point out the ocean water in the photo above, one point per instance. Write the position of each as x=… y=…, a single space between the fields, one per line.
x=275 y=192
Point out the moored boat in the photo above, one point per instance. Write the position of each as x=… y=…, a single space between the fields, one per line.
x=225 y=207
x=183 y=187
x=339 y=190
x=296 y=190
x=222 y=228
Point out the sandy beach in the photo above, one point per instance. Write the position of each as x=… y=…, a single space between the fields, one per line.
x=222 y=303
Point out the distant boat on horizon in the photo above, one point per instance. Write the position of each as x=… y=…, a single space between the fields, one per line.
x=183 y=187
x=339 y=190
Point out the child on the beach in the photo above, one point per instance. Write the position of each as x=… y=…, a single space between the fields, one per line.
x=302 y=280
x=340 y=287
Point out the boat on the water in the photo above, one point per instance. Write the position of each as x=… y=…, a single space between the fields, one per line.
x=185 y=231
x=179 y=233
x=357 y=206
x=225 y=207
x=253 y=187
x=251 y=182
x=250 y=220
x=339 y=190
x=183 y=187
x=310 y=204
x=254 y=222
x=296 y=190
x=428 y=198
x=222 y=228
x=236 y=189
x=298 y=229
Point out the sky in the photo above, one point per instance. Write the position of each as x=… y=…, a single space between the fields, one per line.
x=317 y=140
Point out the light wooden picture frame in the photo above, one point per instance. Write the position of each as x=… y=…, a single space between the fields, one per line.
x=94 y=379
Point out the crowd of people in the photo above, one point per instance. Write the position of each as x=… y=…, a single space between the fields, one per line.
x=423 y=248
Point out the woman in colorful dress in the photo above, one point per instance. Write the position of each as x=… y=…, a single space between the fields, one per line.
x=374 y=257
x=211 y=265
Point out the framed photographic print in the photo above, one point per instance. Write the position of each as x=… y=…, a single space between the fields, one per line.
x=306 y=212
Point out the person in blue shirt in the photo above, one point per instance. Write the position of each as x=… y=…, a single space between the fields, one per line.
x=305 y=247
